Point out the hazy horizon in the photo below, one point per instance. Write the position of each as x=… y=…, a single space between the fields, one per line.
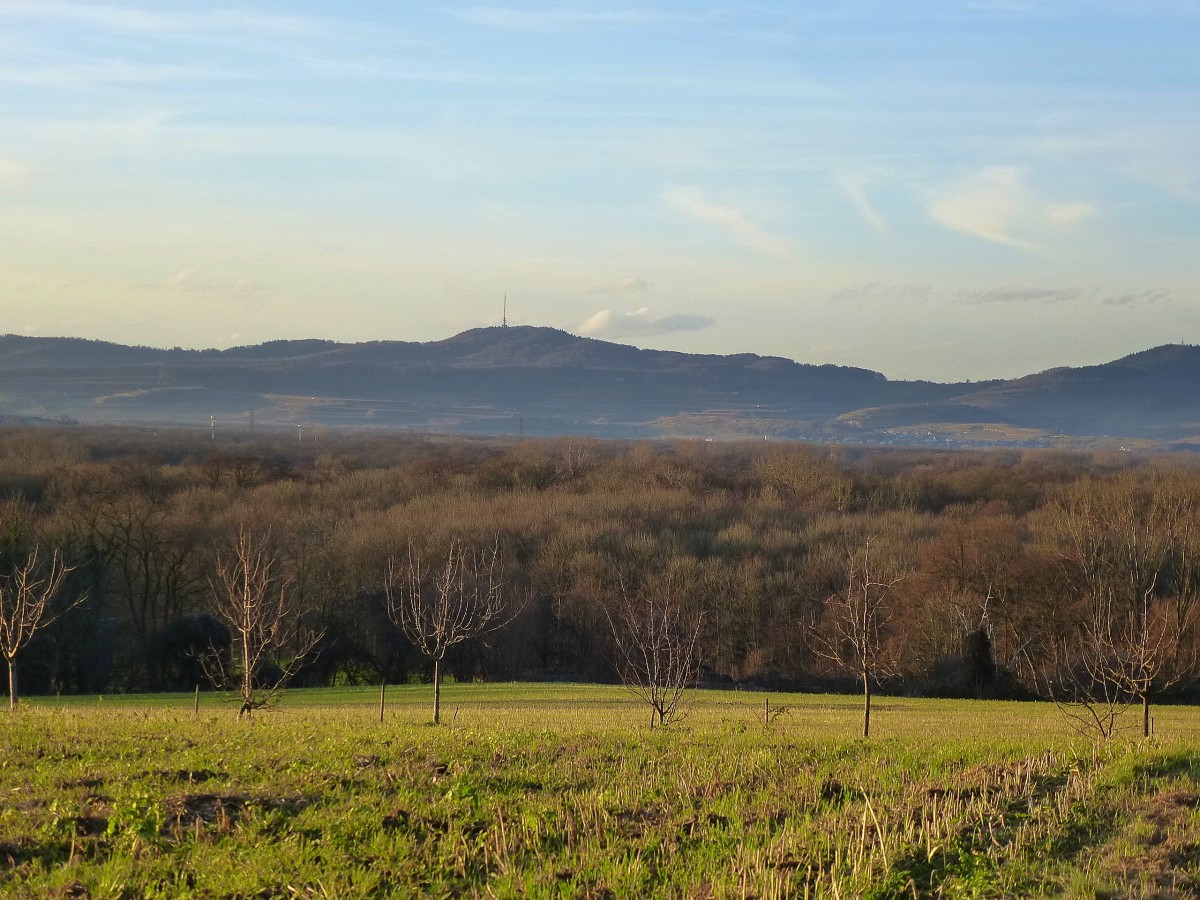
x=641 y=344
x=942 y=191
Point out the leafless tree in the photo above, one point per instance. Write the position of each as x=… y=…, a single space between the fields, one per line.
x=150 y=562
x=1074 y=674
x=268 y=631
x=860 y=614
x=26 y=593
x=656 y=641
x=1130 y=552
x=439 y=605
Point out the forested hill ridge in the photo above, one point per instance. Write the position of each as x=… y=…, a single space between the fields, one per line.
x=543 y=381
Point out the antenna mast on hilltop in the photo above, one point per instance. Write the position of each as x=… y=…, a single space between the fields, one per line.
x=504 y=315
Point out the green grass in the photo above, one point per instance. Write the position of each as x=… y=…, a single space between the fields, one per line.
x=562 y=791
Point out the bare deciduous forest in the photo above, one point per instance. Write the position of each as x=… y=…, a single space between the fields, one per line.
x=1028 y=573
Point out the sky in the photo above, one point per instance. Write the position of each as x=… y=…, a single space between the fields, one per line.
x=931 y=189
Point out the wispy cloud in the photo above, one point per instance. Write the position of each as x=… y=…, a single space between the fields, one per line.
x=1047 y=9
x=134 y=19
x=898 y=293
x=388 y=71
x=14 y=175
x=1068 y=213
x=1019 y=294
x=1148 y=297
x=996 y=204
x=695 y=204
x=640 y=323
x=1156 y=153
x=105 y=72
x=882 y=292
x=195 y=284
x=1048 y=296
x=1167 y=171
x=553 y=18
x=855 y=185
x=624 y=286
x=987 y=205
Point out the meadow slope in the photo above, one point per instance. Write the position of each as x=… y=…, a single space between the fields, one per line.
x=562 y=791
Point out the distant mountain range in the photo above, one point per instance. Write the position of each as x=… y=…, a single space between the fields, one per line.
x=541 y=381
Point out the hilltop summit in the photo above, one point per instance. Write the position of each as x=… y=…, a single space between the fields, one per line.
x=552 y=382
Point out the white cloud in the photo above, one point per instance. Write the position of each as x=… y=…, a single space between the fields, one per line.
x=640 y=322
x=987 y=206
x=995 y=204
x=694 y=204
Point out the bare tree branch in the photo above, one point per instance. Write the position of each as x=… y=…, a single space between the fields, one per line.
x=656 y=644
x=25 y=596
x=250 y=597
x=1129 y=550
x=860 y=614
x=461 y=597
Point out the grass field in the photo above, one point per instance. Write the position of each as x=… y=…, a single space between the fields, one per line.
x=563 y=791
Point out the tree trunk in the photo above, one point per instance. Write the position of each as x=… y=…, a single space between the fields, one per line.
x=1146 y=715
x=866 y=704
x=13 y=696
x=247 y=671
x=437 y=692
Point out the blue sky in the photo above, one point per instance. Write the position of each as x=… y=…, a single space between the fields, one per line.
x=941 y=190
